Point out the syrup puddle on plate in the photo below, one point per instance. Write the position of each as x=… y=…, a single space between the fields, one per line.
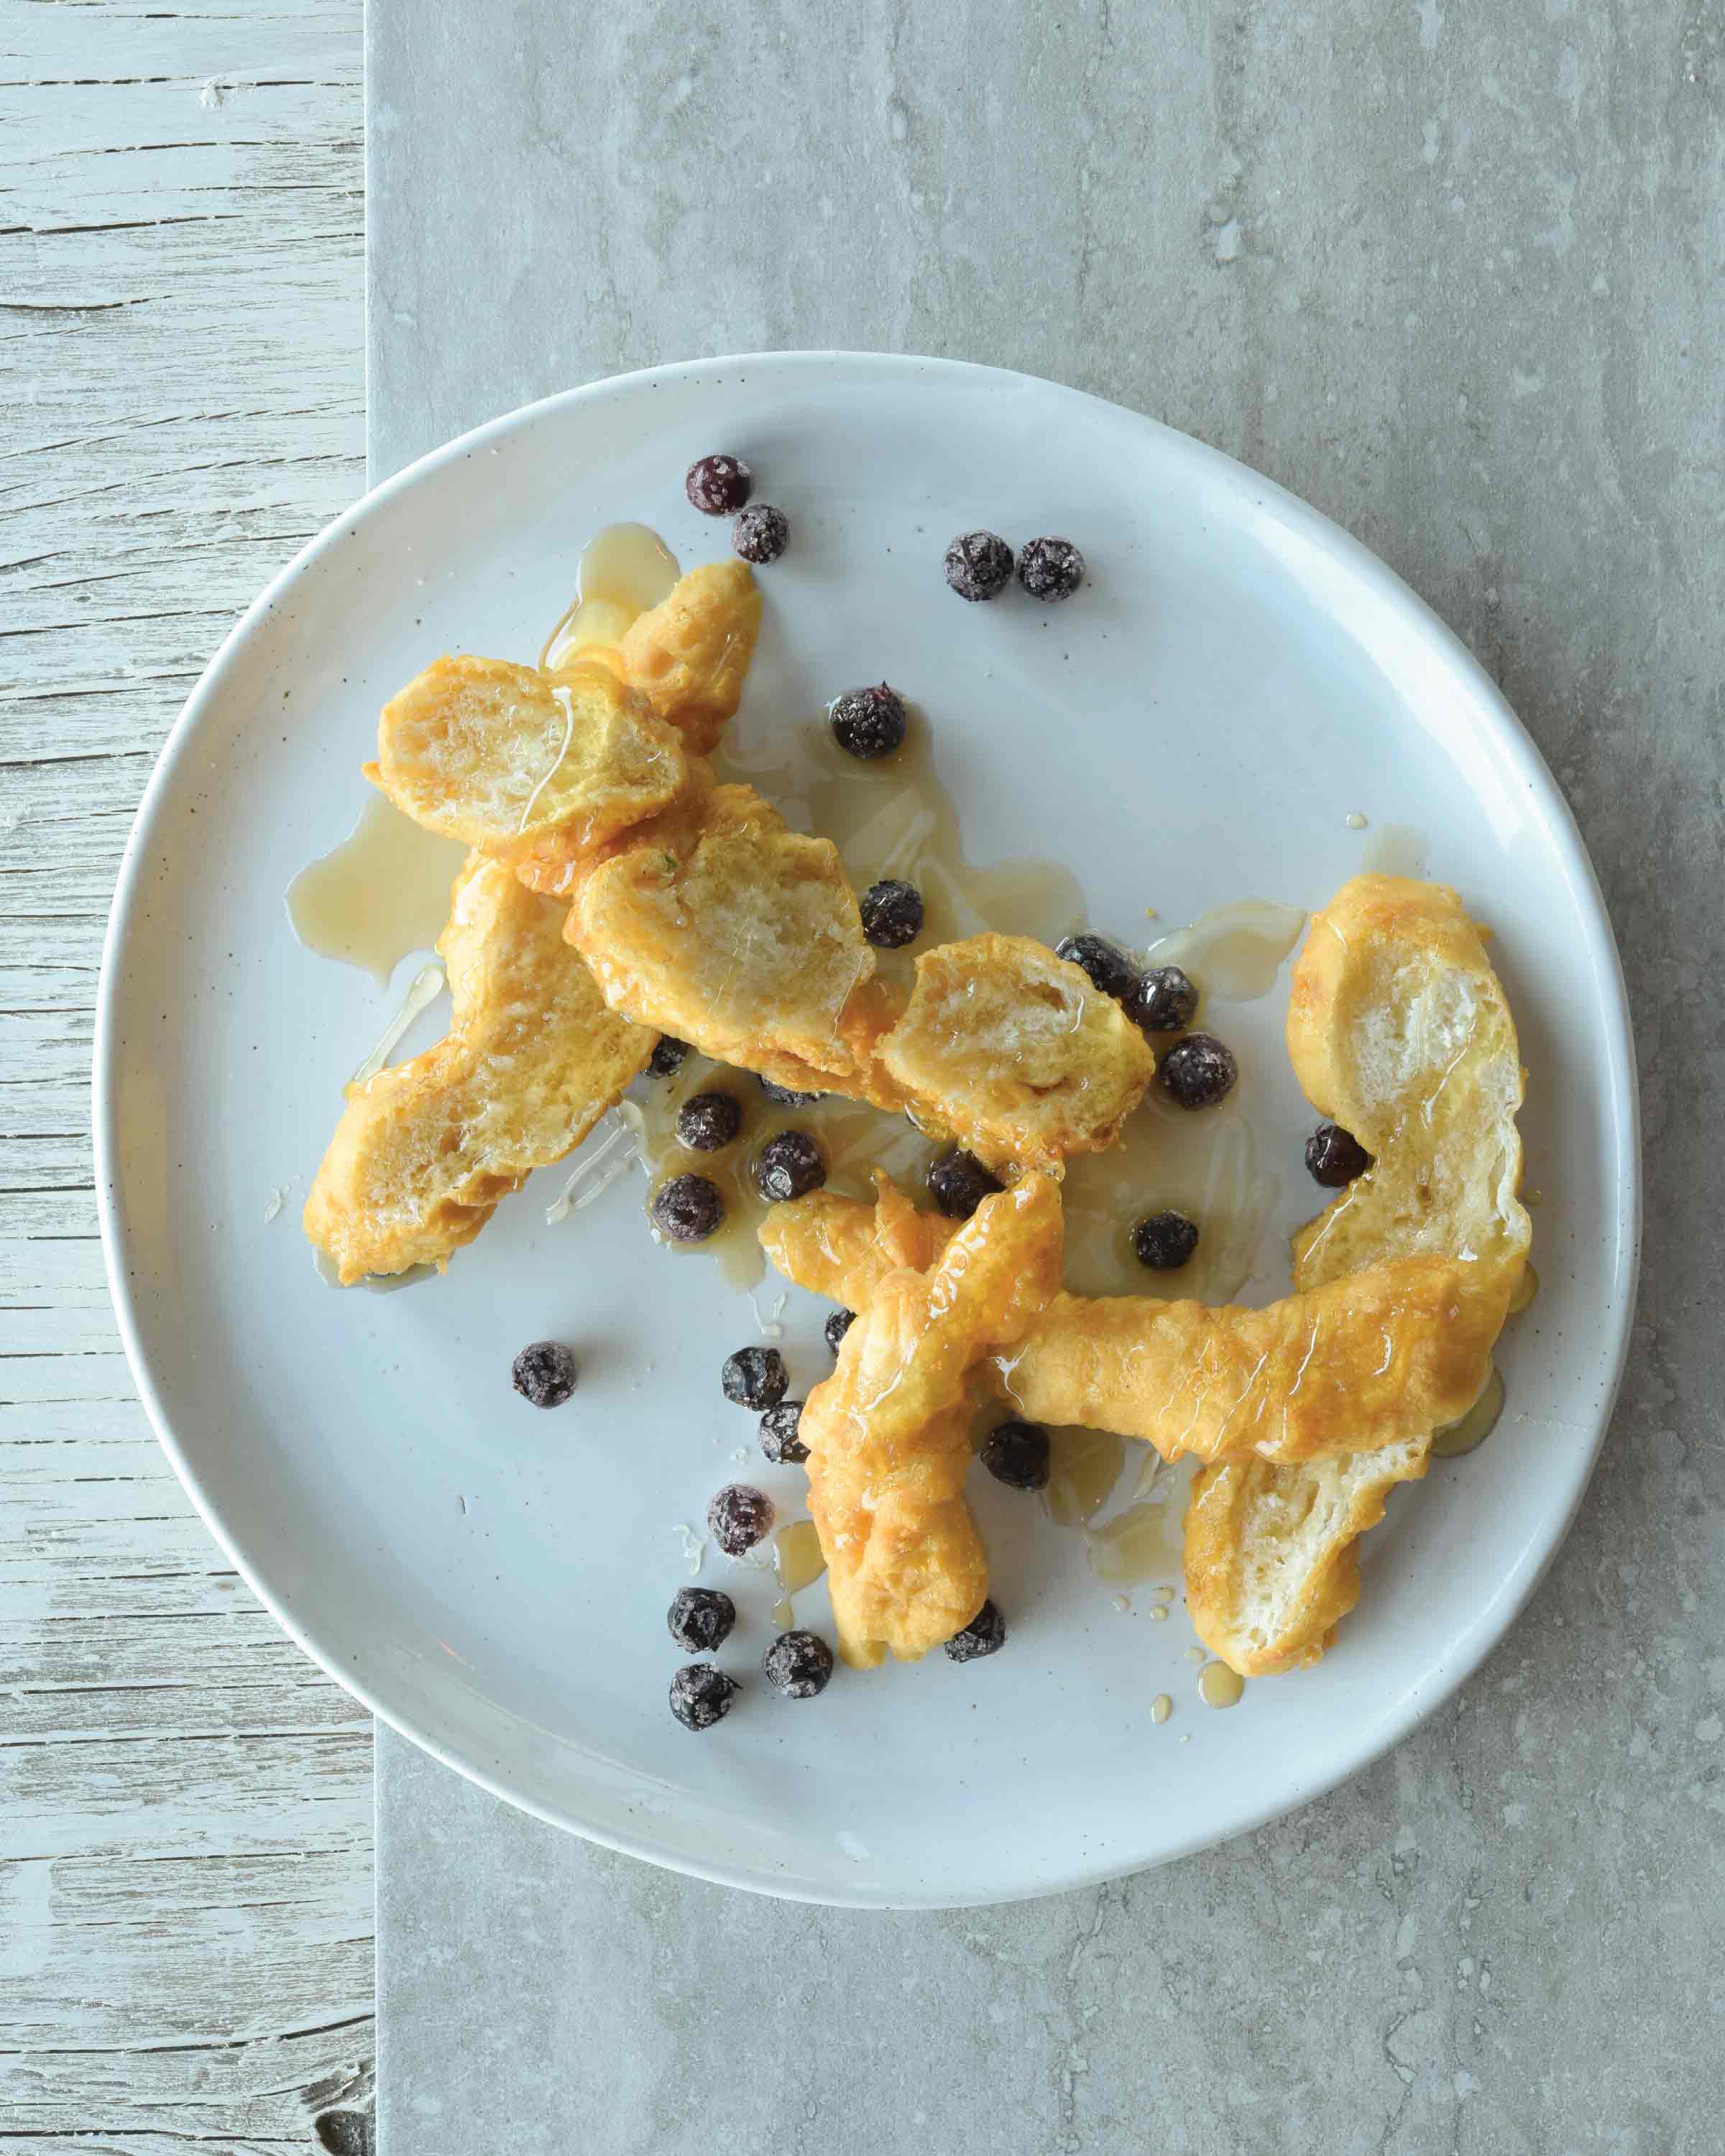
x=624 y=572
x=797 y=1561
x=1234 y=951
x=1469 y=1432
x=382 y=892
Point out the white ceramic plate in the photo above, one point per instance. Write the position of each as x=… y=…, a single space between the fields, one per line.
x=1235 y=677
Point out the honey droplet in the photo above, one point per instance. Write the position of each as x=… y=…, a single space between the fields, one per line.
x=1218 y=1685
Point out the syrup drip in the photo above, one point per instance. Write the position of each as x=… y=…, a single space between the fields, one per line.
x=1469 y=1431
x=382 y=892
x=1218 y=1685
x=1234 y=951
x=623 y=572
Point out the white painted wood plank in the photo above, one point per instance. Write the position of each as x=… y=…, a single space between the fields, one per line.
x=185 y=1802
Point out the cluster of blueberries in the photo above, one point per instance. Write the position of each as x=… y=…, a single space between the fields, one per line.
x=798 y=1664
x=978 y=564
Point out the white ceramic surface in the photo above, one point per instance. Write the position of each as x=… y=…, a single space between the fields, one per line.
x=1235 y=677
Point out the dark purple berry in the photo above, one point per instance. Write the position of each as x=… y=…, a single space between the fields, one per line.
x=719 y=485
x=869 y=722
x=789 y=1165
x=784 y=1095
x=668 y=1057
x=978 y=565
x=739 y=1515
x=1198 y=1071
x=1017 y=1454
x=984 y=1634
x=1335 y=1156
x=700 y=1694
x=839 y=1324
x=958 y=1182
x=779 y=1438
x=544 y=1373
x=708 y=1123
x=688 y=1208
x=1162 y=1000
x=755 y=1378
x=761 y=534
x=701 y=1619
x=797 y=1664
x=1050 y=569
x=1165 y=1241
x=1109 y=968
x=892 y=914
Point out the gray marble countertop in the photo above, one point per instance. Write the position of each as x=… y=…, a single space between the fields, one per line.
x=1452 y=273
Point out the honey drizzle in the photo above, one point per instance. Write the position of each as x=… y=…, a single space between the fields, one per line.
x=624 y=570
x=382 y=892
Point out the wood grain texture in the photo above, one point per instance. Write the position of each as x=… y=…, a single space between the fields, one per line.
x=185 y=1802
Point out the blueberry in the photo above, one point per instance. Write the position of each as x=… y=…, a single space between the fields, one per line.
x=958 y=1182
x=761 y=534
x=688 y=1208
x=978 y=565
x=784 y=1095
x=892 y=914
x=1162 y=1000
x=1335 y=1156
x=1050 y=569
x=839 y=1324
x=1109 y=968
x=797 y=1664
x=708 y=1123
x=789 y=1165
x=719 y=485
x=984 y=1634
x=755 y=1378
x=699 y=1619
x=869 y=722
x=738 y=1516
x=779 y=1440
x=700 y=1694
x=544 y=1373
x=1165 y=1241
x=668 y=1057
x=1017 y=1454
x=1198 y=1071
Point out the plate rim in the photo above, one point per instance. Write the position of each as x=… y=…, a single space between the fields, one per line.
x=1494 y=1621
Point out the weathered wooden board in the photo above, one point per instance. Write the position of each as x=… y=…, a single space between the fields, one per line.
x=185 y=1802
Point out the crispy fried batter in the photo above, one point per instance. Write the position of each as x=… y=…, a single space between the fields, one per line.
x=538 y=769
x=689 y=655
x=888 y=1433
x=1398 y=1030
x=1365 y=1361
x=1017 y=1052
x=424 y=1151
x=728 y=929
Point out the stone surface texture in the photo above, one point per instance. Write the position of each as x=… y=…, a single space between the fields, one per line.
x=1452 y=273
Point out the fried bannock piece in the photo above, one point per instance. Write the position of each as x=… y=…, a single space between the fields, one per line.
x=1398 y=1030
x=540 y=769
x=889 y=1432
x=1017 y=1052
x=1369 y=1360
x=425 y=1151
x=688 y=656
x=721 y=925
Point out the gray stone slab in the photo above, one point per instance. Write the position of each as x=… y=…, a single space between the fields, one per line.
x=1452 y=273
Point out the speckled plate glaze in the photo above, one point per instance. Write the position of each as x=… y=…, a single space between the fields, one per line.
x=1236 y=677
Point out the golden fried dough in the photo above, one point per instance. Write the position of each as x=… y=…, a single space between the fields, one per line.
x=1365 y=1361
x=1398 y=1030
x=1017 y=1052
x=689 y=655
x=888 y=1433
x=723 y=926
x=538 y=769
x=532 y=1058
